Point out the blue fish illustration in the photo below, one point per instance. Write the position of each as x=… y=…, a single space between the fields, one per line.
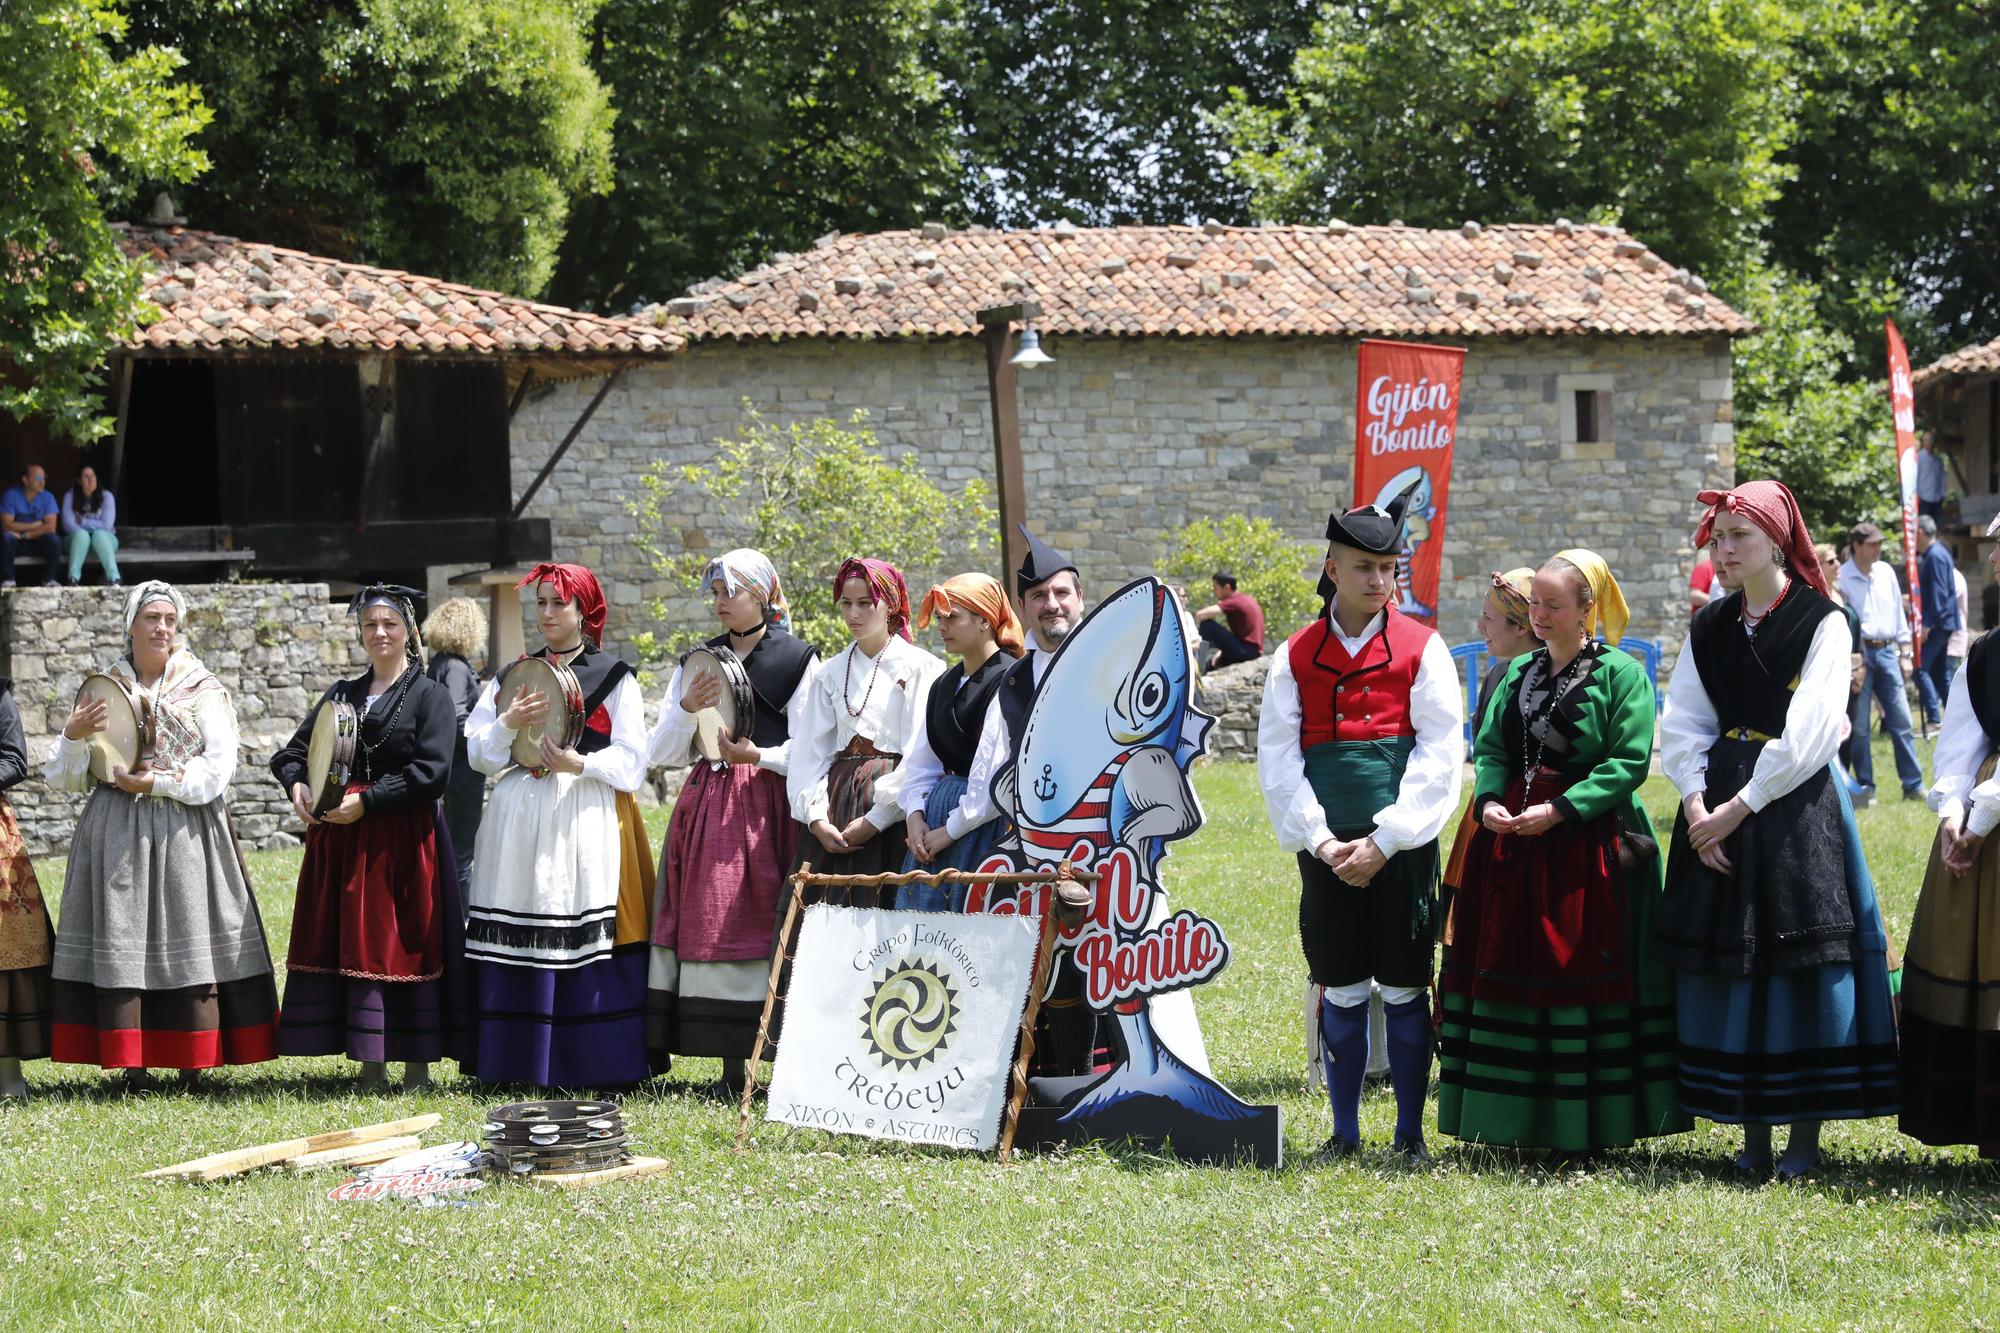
x=1102 y=761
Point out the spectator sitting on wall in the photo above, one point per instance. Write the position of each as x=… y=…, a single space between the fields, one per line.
x=1233 y=624
x=90 y=524
x=28 y=523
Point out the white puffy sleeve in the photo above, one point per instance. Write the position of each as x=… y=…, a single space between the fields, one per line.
x=1289 y=800
x=926 y=668
x=487 y=741
x=778 y=758
x=921 y=767
x=207 y=774
x=1812 y=719
x=621 y=765
x=68 y=766
x=811 y=754
x=1428 y=794
x=1961 y=748
x=672 y=743
x=1689 y=727
x=976 y=806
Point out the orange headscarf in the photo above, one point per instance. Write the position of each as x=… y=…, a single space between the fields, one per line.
x=982 y=595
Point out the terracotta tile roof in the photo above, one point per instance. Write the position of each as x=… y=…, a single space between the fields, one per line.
x=1983 y=359
x=1330 y=281
x=218 y=294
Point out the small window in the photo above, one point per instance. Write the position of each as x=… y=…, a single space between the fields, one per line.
x=1586 y=417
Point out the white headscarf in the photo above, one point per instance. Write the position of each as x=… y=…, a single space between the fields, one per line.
x=153 y=590
x=747 y=568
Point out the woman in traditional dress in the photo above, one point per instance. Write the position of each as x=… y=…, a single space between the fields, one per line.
x=977 y=624
x=861 y=718
x=1558 y=1022
x=376 y=968
x=1504 y=629
x=160 y=957
x=1951 y=971
x=562 y=879
x=1782 y=975
x=25 y=934
x=455 y=637
x=732 y=838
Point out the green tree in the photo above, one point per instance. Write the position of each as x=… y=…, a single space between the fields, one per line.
x=1805 y=415
x=1666 y=118
x=433 y=135
x=811 y=495
x=80 y=128
x=748 y=129
x=1281 y=573
x=1892 y=202
x=1098 y=110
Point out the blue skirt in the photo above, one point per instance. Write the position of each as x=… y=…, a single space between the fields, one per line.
x=1812 y=1043
x=965 y=854
x=582 y=1027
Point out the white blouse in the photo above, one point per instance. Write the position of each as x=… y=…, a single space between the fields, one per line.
x=204 y=779
x=672 y=741
x=1961 y=748
x=994 y=749
x=1813 y=720
x=1428 y=794
x=620 y=765
x=890 y=691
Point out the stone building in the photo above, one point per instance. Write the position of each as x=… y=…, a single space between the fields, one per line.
x=1958 y=399
x=1197 y=370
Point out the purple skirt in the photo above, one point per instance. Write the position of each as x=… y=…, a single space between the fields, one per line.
x=579 y=1027
x=374 y=1019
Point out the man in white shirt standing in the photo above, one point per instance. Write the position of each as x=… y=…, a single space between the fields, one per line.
x=1869 y=587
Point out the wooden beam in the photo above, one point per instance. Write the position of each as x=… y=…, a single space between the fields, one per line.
x=336 y=549
x=121 y=375
x=378 y=426
x=1004 y=315
x=1011 y=482
x=505 y=638
x=520 y=393
x=603 y=391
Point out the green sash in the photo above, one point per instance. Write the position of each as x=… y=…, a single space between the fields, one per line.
x=1354 y=779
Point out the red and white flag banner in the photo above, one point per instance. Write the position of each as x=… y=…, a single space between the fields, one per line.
x=1405 y=424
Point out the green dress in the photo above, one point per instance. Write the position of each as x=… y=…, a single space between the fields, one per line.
x=1558 y=1025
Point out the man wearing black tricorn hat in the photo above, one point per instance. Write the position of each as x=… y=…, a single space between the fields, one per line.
x=1359 y=750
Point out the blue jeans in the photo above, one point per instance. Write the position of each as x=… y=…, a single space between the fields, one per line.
x=1884 y=681
x=1933 y=675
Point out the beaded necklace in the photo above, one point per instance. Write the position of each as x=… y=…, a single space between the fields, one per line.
x=1558 y=686
x=1750 y=622
x=847 y=681
x=402 y=687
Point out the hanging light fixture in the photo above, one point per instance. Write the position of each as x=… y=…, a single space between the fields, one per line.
x=1031 y=353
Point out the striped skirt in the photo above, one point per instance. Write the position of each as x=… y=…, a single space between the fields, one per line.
x=26 y=938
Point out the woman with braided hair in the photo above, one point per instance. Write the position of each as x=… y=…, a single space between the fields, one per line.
x=376 y=968
x=1772 y=929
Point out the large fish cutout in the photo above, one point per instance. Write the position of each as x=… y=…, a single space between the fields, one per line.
x=1100 y=777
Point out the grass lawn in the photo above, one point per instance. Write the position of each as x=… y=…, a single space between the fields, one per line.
x=813 y=1231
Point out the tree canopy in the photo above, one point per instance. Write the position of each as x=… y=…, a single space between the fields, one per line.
x=80 y=129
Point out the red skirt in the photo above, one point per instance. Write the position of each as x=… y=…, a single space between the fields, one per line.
x=369 y=898
x=722 y=872
x=1542 y=920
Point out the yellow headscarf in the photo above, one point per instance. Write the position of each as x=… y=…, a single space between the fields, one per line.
x=1607 y=602
x=1511 y=592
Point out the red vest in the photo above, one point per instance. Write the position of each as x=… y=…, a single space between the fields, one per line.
x=1359 y=698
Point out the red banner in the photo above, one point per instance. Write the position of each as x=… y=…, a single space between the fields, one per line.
x=1405 y=422
x=1903 y=405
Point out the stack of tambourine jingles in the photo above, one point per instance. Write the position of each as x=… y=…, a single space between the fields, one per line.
x=531 y=1137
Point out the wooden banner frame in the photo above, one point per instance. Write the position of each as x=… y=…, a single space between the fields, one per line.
x=804 y=878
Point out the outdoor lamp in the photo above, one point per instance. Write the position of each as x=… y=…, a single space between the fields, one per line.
x=1031 y=353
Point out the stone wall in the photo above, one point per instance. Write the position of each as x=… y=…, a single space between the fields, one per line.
x=276 y=646
x=1126 y=440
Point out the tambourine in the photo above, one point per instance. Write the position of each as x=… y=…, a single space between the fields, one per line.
x=734 y=713
x=128 y=725
x=563 y=723
x=330 y=754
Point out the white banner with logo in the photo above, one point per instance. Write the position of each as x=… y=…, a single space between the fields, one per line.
x=901 y=1025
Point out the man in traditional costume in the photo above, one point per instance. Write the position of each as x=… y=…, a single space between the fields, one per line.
x=1359 y=749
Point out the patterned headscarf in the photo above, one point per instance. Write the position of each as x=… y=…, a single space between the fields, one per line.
x=403 y=601
x=885 y=586
x=1510 y=593
x=982 y=595
x=1607 y=600
x=574 y=583
x=153 y=590
x=1772 y=507
x=746 y=568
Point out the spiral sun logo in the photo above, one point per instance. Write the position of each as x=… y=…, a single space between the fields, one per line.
x=910 y=1015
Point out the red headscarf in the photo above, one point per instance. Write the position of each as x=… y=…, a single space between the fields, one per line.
x=574 y=583
x=885 y=585
x=1771 y=506
x=982 y=595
